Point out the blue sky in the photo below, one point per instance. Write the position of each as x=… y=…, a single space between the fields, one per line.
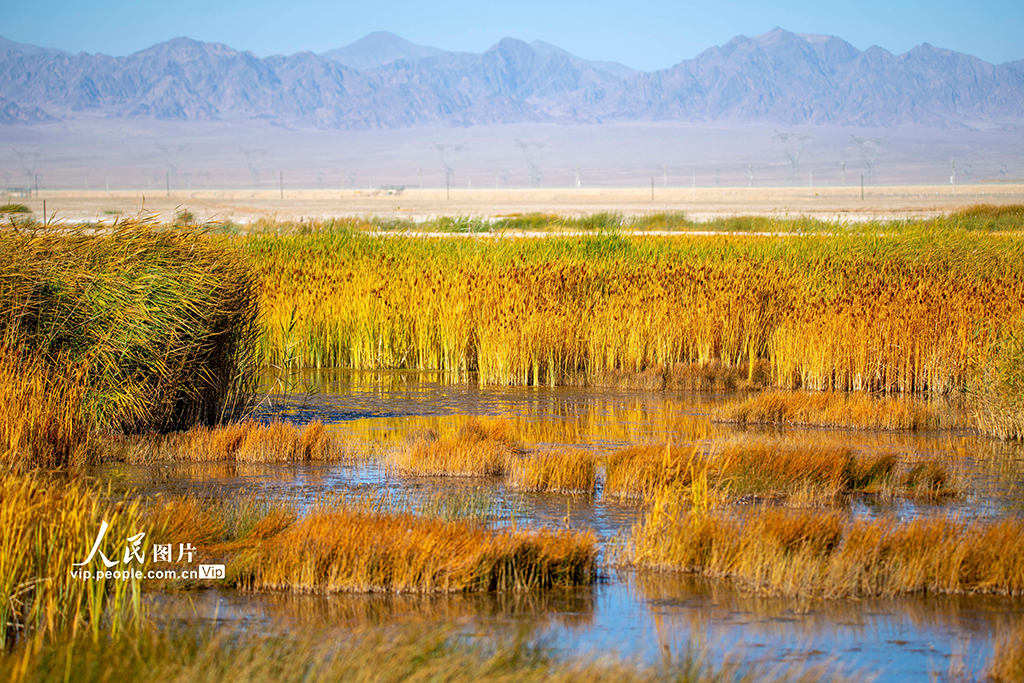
x=645 y=35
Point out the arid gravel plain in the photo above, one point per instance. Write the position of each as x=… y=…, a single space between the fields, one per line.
x=246 y=206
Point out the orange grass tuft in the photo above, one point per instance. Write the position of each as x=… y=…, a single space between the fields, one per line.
x=831 y=409
x=802 y=474
x=561 y=471
x=336 y=548
x=825 y=554
x=246 y=441
x=478 y=450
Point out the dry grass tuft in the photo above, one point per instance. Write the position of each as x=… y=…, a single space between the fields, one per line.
x=826 y=554
x=562 y=471
x=245 y=441
x=479 y=449
x=831 y=409
x=807 y=474
x=337 y=548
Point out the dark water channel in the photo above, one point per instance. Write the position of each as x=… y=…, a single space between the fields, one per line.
x=638 y=615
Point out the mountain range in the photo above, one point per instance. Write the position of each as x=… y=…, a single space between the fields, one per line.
x=383 y=81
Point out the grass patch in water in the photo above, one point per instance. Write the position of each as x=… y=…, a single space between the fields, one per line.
x=827 y=554
x=802 y=474
x=560 y=471
x=337 y=548
x=245 y=441
x=832 y=409
x=479 y=449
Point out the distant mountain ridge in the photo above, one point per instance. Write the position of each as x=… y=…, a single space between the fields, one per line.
x=383 y=81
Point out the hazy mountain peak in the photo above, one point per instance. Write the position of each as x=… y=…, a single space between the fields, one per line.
x=32 y=50
x=778 y=77
x=614 y=68
x=378 y=49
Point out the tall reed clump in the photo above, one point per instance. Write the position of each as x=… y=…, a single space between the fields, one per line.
x=338 y=548
x=47 y=525
x=839 y=309
x=479 y=449
x=827 y=554
x=562 y=471
x=161 y=321
x=999 y=408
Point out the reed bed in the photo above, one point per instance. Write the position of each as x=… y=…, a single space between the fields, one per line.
x=478 y=449
x=47 y=525
x=827 y=554
x=1000 y=391
x=244 y=441
x=832 y=310
x=801 y=474
x=561 y=471
x=160 y=321
x=832 y=409
x=336 y=548
x=416 y=652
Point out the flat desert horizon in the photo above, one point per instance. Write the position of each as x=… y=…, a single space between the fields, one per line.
x=152 y=157
x=842 y=204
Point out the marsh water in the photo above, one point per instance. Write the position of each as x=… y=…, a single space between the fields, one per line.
x=641 y=615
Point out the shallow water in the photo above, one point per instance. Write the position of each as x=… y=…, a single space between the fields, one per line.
x=635 y=614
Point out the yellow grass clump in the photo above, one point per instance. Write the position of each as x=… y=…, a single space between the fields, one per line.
x=827 y=554
x=47 y=525
x=806 y=474
x=245 y=441
x=479 y=449
x=561 y=471
x=336 y=548
x=832 y=409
